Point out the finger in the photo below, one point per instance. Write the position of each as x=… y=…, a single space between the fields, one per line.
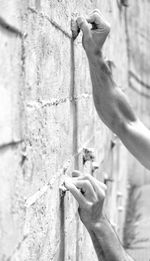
x=98 y=21
x=98 y=186
x=77 y=173
x=75 y=192
x=86 y=188
x=83 y=25
x=83 y=184
x=94 y=181
x=74 y=28
x=96 y=11
x=95 y=19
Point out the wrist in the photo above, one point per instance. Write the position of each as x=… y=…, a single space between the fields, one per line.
x=99 y=66
x=95 y=58
x=97 y=225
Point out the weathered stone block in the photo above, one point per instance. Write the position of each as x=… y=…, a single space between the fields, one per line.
x=11 y=86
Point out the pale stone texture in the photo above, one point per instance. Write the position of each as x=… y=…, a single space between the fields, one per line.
x=47 y=117
x=137 y=235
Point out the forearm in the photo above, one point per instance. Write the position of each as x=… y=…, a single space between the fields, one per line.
x=115 y=111
x=111 y=104
x=106 y=242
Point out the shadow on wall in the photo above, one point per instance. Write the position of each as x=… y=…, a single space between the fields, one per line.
x=137 y=225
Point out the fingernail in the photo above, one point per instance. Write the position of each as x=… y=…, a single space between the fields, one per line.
x=67 y=182
x=80 y=20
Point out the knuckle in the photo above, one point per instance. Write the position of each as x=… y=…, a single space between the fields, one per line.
x=76 y=173
x=96 y=16
x=80 y=20
x=96 y=10
x=87 y=178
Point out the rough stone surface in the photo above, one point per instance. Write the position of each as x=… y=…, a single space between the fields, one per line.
x=47 y=117
x=137 y=236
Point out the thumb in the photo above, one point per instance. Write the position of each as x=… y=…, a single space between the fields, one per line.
x=83 y=25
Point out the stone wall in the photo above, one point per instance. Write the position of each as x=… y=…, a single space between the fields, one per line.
x=137 y=236
x=47 y=118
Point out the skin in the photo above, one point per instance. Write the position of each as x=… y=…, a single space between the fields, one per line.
x=90 y=195
x=115 y=111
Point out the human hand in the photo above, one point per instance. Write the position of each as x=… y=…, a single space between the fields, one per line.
x=90 y=195
x=94 y=38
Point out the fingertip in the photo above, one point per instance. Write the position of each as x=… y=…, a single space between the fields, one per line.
x=83 y=24
x=80 y=20
x=74 y=28
x=75 y=192
x=76 y=173
x=90 y=19
x=67 y=183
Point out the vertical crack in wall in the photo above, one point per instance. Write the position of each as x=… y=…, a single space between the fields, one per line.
x=75 y=131
x=62 y=230
x=22 y=90
x=74 y=111
x=74 y=107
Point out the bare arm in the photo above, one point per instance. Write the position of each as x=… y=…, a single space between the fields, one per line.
x=111 y=103
x=114 y=109
x=106 y=243
x=90 y=194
